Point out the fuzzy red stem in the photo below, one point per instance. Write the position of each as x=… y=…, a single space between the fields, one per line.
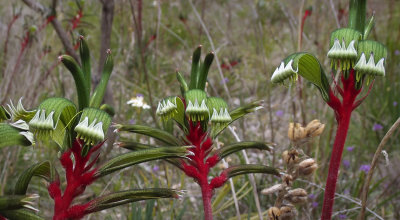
x=343 y=115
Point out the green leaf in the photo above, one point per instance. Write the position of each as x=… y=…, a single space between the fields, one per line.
x=9 y=202
x=83 y=91
x=158 y=134
x=233 y=148
x=43 y=169
x=184 y=86
x=11 y=136
x=194 y=75
x=123 y=197
x=205 y=67
x=20 y=214
x=368 y=28
x=132 y=145
x=238 y=113
x=309 y=68
x=85 y=60
x=140 y=156
x=100 y=90
x=250 y=168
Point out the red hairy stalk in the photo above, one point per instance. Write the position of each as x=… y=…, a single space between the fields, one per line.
x=198 y=167
x=343 y=110
x=78 y=175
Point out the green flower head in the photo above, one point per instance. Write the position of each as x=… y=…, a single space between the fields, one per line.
x=196 y=107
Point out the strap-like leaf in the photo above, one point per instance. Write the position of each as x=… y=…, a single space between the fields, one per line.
x=43 y=169
x=250 y=168
x=124 y=197
x=20 y=214
x=309 y=68
x=184 y=86
x=194 y=75
x=238 y=113
x=140 y=156
x=85 y=60
x=80 y=80
x=100 y=90
x=158 y=134
x=132 y=145
x=205 y=67
x=232 y=148
x=11 y=136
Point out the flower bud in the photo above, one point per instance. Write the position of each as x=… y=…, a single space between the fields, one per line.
x=296 y=132
x=314 y=128
x=274 y=213
x=307 y=167
x=296 y=196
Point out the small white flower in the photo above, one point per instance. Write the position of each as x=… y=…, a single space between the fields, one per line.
x=138 y=102
x=41 y=122
x=283 y=72
x=18 y=112
x=341 y=52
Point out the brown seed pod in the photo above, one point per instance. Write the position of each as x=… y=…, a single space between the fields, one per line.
x=296 y=132
x=296 y=196
x=274 y=213
x=307 y=167
x=290 y=157
x=288 y=212
x=314 y=128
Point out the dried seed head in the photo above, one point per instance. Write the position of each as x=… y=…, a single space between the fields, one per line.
x=307 y=166
x=287 y=179
x=314 y=128
x=290 y=157
x=288 y=212
x=296 y=132
x=274 y=213
x=272 y=189
x=296 y=196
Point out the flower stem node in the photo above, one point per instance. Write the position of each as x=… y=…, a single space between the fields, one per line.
x=376 y=55
x=343 y=46
x=284 y=72
x=196 y=107
x=41 y=124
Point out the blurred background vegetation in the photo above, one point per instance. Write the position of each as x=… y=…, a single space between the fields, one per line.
x=150 y=40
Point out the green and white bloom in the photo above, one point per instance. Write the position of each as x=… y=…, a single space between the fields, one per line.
x=341 y=52
x=284 y=72
x=168 y=108
x=196 y=107
x=219 y=109
x=42 y=125
x=19 y=111
x=92 y=133
x=370 y=67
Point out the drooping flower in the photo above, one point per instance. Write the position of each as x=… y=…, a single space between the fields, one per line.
x=90 y=133
x=42 y=125
x=284 y=72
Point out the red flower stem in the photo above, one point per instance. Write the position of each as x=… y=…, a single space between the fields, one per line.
x=343 y=115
